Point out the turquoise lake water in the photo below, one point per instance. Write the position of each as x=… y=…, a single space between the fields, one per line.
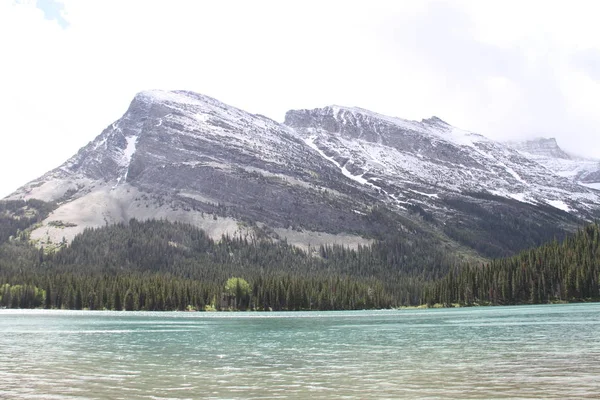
x=548 y=351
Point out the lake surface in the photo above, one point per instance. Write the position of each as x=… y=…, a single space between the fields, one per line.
x=497 y=352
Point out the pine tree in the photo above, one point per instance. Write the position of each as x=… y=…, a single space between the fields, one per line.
x=117 y=300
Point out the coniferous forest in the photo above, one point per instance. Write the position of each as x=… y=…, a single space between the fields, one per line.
x=159 y=265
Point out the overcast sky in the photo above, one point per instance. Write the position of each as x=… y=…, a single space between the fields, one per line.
x=505 y=69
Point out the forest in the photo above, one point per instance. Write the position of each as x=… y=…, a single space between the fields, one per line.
x=159 y=265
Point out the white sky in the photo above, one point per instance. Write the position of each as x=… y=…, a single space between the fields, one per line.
x=506 y=69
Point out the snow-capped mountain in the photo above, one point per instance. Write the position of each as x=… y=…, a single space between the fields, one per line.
x=188 y=157
x=329 y=175
x=419 y=161
x=583 y=171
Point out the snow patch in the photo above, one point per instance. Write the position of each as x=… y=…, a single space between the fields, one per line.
x=522 y=197
x=128 y=153
x=130 y=149
x=514 y=174
x=518 y=196
x=172 y=96
x=357 y=178
x=561 y=205
x=591 y=185
x=430 y=195
x=459 y=137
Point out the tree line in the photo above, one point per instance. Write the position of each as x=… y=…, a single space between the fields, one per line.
x=159 y=265
x=557 y=271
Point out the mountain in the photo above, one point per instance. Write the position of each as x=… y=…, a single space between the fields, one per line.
x=483 y=193
x=542 y=148
x=187 y=157
x=585 y=172
x=329 y=175
x=414 y=161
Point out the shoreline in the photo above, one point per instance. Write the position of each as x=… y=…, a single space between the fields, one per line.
x=402 y=308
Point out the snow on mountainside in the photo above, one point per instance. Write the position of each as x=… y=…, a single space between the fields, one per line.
x=586 y=172
x=420 y=161
x=330 y=175
x=109 y=157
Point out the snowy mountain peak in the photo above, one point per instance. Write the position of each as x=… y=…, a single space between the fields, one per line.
x=175 y=96
x=342 y=116
x=183 y=101
x=435 y=121
x=358 y=123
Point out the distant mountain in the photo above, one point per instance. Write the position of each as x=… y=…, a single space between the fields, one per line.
x=541 y=147
x=547 y=152
x=329 y=175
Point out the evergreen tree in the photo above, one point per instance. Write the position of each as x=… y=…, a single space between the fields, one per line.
x=117 y=300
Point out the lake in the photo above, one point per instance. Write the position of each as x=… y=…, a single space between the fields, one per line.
x=550 y=351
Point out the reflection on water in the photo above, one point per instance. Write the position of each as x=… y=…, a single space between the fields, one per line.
x=501 y=352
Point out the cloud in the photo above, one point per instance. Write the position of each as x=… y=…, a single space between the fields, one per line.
x=506 y=88
x=505 y=69
x=589 y=61
x=53 y=11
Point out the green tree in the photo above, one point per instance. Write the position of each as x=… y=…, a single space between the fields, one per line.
x=117 y=301
x=78 y=300
x=239 y=290
x=48 y=298
x=129 y=301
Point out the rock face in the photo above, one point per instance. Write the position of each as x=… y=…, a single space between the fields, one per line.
x=335 y=175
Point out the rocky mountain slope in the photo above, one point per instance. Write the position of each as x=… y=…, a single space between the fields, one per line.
x=585 y=172
x=417 y=161
x=330 y=175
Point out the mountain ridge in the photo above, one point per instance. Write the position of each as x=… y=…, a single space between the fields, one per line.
x=340 y=175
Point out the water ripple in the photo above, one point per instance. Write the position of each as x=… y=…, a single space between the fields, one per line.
x=503 y=352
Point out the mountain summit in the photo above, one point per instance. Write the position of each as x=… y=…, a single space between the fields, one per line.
x=329 y=175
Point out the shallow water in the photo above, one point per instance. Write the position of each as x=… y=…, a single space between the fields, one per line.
x=497 y=352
